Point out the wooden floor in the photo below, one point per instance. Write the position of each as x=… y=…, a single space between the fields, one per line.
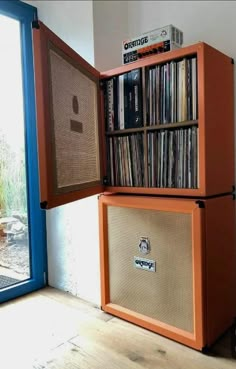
x=54 y=330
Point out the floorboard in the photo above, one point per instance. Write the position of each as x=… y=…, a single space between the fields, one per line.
x=50 y=329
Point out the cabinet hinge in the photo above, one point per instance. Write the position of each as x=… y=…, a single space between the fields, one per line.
x=105 y=180
x=201 y=204
x=232 y=60
x=43 y=204
x=35 y=24
x=102 y=85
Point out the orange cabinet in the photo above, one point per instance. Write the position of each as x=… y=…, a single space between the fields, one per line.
x=169 y=264
x=182 y=154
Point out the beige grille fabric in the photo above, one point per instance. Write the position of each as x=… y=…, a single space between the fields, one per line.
x=167 y=294
x=76 y=150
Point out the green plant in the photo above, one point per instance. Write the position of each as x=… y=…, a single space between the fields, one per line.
x=12 y=179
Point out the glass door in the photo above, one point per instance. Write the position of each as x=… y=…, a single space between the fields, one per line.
x=22 y=233
x=14 y=236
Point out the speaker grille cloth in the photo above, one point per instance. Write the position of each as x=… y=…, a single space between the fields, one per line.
x=76 y=153
x=167 y=294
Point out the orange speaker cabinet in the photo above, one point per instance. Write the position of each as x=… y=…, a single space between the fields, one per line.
x=168 y=264
x=78 y=155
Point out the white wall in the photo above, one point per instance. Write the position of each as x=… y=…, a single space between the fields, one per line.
x=72 y=230
x=72 y=21
x=110 y=27
x=73 y=249
x=210 y=21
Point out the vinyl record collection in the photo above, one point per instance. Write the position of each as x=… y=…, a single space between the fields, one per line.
x=126 y=160
x=172 y=158
x=171 y=92
x=151 y=122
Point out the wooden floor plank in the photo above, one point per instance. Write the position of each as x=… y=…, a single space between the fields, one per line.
x=51 y=329
x=122 y=340
x=76 y=303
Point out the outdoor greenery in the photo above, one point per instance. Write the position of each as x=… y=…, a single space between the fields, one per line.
x=12 y=179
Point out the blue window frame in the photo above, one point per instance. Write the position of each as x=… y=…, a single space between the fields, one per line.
x=25 y=14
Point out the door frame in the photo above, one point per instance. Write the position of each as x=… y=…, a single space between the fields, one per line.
x=25 y=14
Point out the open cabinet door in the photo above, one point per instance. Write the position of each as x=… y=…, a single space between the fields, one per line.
x=68 y=111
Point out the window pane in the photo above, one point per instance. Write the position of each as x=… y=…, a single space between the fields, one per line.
x=14 y=240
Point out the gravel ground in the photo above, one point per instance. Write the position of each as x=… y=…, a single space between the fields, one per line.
x=15 y=256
